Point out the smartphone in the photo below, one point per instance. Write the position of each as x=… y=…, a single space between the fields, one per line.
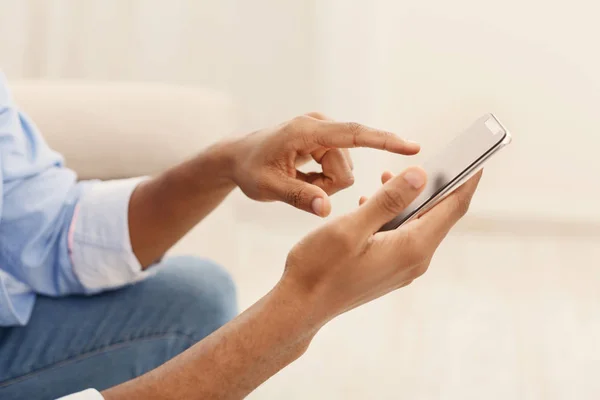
x=459 y=161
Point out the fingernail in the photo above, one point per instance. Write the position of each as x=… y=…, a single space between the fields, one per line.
x=416 y=179
x=317 y=205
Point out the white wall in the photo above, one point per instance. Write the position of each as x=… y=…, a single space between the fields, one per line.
x=428 y=68
x=259 y=51
x=510 y=308
x=425 y=69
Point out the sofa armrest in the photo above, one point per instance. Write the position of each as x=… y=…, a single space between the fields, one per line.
x=114 y=130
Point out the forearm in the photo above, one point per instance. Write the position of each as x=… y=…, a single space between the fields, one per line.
x=165 y=208
x=237 y=358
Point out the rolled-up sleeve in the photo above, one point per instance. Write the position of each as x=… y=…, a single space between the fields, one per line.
x=99 y=242
x=58 y=236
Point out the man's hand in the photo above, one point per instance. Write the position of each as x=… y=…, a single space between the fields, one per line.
x=347 y=262
x=340 y=266
x=263 y=164
x=266 y=161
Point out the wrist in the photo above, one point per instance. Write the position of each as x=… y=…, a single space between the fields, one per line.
x=228 y=153
x=224 y=155
x=303 y=305
x=217 y=162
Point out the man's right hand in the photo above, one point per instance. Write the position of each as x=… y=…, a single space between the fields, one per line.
x=347 y=262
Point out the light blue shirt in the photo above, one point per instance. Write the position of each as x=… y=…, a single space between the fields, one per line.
x=57 y=236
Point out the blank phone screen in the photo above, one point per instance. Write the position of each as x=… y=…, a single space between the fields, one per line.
x=447 y=167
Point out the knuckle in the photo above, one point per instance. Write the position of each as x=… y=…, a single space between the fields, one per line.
x=354 y=127
x=390 y=201
x=346 y=181
x=292 y=257
x=419 y=270
x=301 y=120
x=355 y=130
x=317 y=115
x=386 y=136
x=296 y=125
x=462 y=204
x=263 y=189
x=343 y=237
x=302 y=130
x=417 y=249
x=407 y=283
x=296 y=196
x=301 y=123
x=289 y=128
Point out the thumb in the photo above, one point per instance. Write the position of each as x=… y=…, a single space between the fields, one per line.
x=302 y=195
x=391 y=199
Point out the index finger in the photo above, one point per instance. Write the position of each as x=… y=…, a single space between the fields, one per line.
x=351 y=134
x=433 y=226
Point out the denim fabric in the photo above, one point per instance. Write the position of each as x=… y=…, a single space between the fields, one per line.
x=78 y=342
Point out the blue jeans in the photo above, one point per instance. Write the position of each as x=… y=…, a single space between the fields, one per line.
x=73 y=343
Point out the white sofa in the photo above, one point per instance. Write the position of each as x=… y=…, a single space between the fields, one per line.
x=116 y=130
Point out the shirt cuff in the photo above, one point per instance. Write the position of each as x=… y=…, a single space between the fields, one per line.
x=89 y=394
x=99 y=243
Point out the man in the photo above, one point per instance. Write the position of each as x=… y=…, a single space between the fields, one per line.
x=60 y=239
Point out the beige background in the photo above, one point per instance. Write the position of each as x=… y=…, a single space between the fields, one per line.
x=510 y=308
